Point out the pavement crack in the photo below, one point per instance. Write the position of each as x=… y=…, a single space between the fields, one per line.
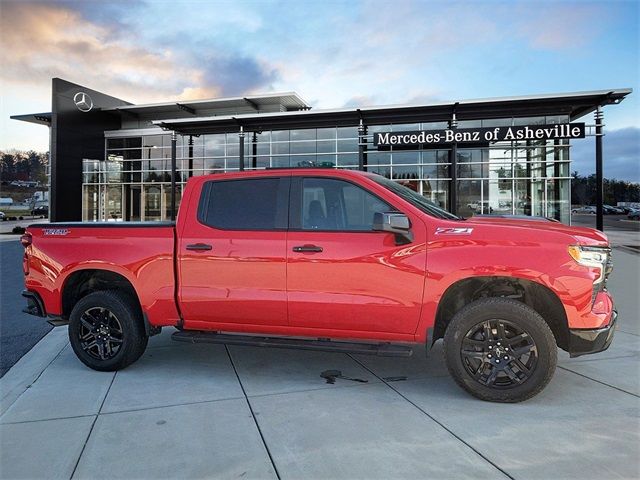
x=598 y=381
x=86 y=440
x=451 y=432
x=255 y=420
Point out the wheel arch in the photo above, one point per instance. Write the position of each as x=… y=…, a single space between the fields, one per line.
x=534 y=294
x=84 y=281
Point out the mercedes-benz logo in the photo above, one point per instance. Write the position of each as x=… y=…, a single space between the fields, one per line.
x=83 y=101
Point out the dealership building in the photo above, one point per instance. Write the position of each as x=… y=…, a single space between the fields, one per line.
x=112 y=160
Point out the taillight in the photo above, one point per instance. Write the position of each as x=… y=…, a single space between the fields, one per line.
x=25 y=240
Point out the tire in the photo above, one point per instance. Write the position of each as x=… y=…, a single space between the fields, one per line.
x=112 y=321
x=525 y=362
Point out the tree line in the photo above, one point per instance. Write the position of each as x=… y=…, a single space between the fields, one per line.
x=583 y=190
x=24 y=165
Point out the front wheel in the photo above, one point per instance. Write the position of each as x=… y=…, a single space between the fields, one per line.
x=500 y=350
x=106 y=331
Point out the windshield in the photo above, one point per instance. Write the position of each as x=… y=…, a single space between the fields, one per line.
x=414 y=198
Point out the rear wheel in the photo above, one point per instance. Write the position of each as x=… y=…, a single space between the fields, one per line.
x=106 y=331
x=500 y=350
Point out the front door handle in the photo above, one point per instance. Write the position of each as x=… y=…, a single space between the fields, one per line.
x=307 y=248
x=199 y=247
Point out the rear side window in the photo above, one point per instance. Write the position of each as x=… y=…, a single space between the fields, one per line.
x=251 y=204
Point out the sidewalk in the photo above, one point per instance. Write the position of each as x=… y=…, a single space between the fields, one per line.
x=187 y=411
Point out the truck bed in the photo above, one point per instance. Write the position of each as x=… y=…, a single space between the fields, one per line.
x=140 y=252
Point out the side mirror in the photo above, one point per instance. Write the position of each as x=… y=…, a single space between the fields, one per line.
x=397 y=223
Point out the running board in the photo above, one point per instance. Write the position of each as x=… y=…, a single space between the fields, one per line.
x=380 y=349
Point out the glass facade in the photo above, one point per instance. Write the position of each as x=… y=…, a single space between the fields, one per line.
x=132 y=182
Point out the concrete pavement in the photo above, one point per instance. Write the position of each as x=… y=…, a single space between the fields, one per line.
x=186 y=411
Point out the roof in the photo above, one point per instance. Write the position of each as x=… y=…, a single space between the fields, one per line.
x=575 y=104
x=289 y=110
x=39 y=118
x=280 y=101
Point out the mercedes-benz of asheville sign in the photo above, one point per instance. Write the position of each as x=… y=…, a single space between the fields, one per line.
x=478 y=135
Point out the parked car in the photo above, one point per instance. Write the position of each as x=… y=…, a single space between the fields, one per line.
x=587 y=209
x=42 y=210
x=634 y=214
x=335 y=260
x=611 y=210
x=2 y=216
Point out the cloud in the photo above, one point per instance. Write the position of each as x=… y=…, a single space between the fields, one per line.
x=237 y=75
x=560 y=26
x=39 y=41
x=621 y=155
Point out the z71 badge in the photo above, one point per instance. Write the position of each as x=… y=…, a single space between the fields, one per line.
x=55 y=231
x=454 y=231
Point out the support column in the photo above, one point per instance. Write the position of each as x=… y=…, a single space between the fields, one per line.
x=190 y=156
x=362 y=146
x=241 y=148
x=453 y=170
x=599 y=171
x=254 y=150
x=174 y=141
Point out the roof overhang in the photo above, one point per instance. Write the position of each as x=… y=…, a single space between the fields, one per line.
x=39 y=118
x=188 y=108
x=575 y=105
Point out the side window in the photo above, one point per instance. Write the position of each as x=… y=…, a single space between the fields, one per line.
x=252 y=204
x=330 y=204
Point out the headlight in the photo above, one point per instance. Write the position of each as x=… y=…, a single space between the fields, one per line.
x=595 y=257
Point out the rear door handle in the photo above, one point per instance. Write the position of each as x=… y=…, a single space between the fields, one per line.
x=199 y=247
x=307 y=248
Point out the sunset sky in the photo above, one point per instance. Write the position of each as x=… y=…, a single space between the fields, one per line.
x=333 y=53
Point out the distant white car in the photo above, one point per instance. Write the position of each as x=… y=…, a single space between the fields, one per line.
x=2 y=216
x=588 y=209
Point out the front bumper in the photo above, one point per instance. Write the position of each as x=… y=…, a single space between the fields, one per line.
x=584 y=342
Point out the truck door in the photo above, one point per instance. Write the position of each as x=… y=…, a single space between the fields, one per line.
x=232 y=255
x=342 y=275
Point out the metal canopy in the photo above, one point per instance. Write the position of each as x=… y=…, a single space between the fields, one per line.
x=575 y=105
x=39 y=118
x=189 y=108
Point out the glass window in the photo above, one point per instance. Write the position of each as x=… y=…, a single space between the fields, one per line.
x=404 y=157
x=348 y=145
x=280 y=136
x=326 y=133
x=326 y=146
x=152 y=203
x=153 y=141
x=348 y=132
x=214 y=145
x=244 y=205
x=329 y=204
x=303 y=147
x=306 y=134
x=497 y=122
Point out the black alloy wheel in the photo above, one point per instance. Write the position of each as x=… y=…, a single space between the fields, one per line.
x=499 y=349
x=106 y=330
x=100 y=333
x=499 y=354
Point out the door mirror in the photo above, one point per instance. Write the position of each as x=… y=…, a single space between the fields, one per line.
x=393 y=222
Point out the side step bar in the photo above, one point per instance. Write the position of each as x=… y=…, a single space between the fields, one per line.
x=380 y=349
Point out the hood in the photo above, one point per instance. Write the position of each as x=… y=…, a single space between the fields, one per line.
x=583 y=235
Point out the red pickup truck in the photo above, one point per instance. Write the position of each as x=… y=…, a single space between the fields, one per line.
x=332 y=260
